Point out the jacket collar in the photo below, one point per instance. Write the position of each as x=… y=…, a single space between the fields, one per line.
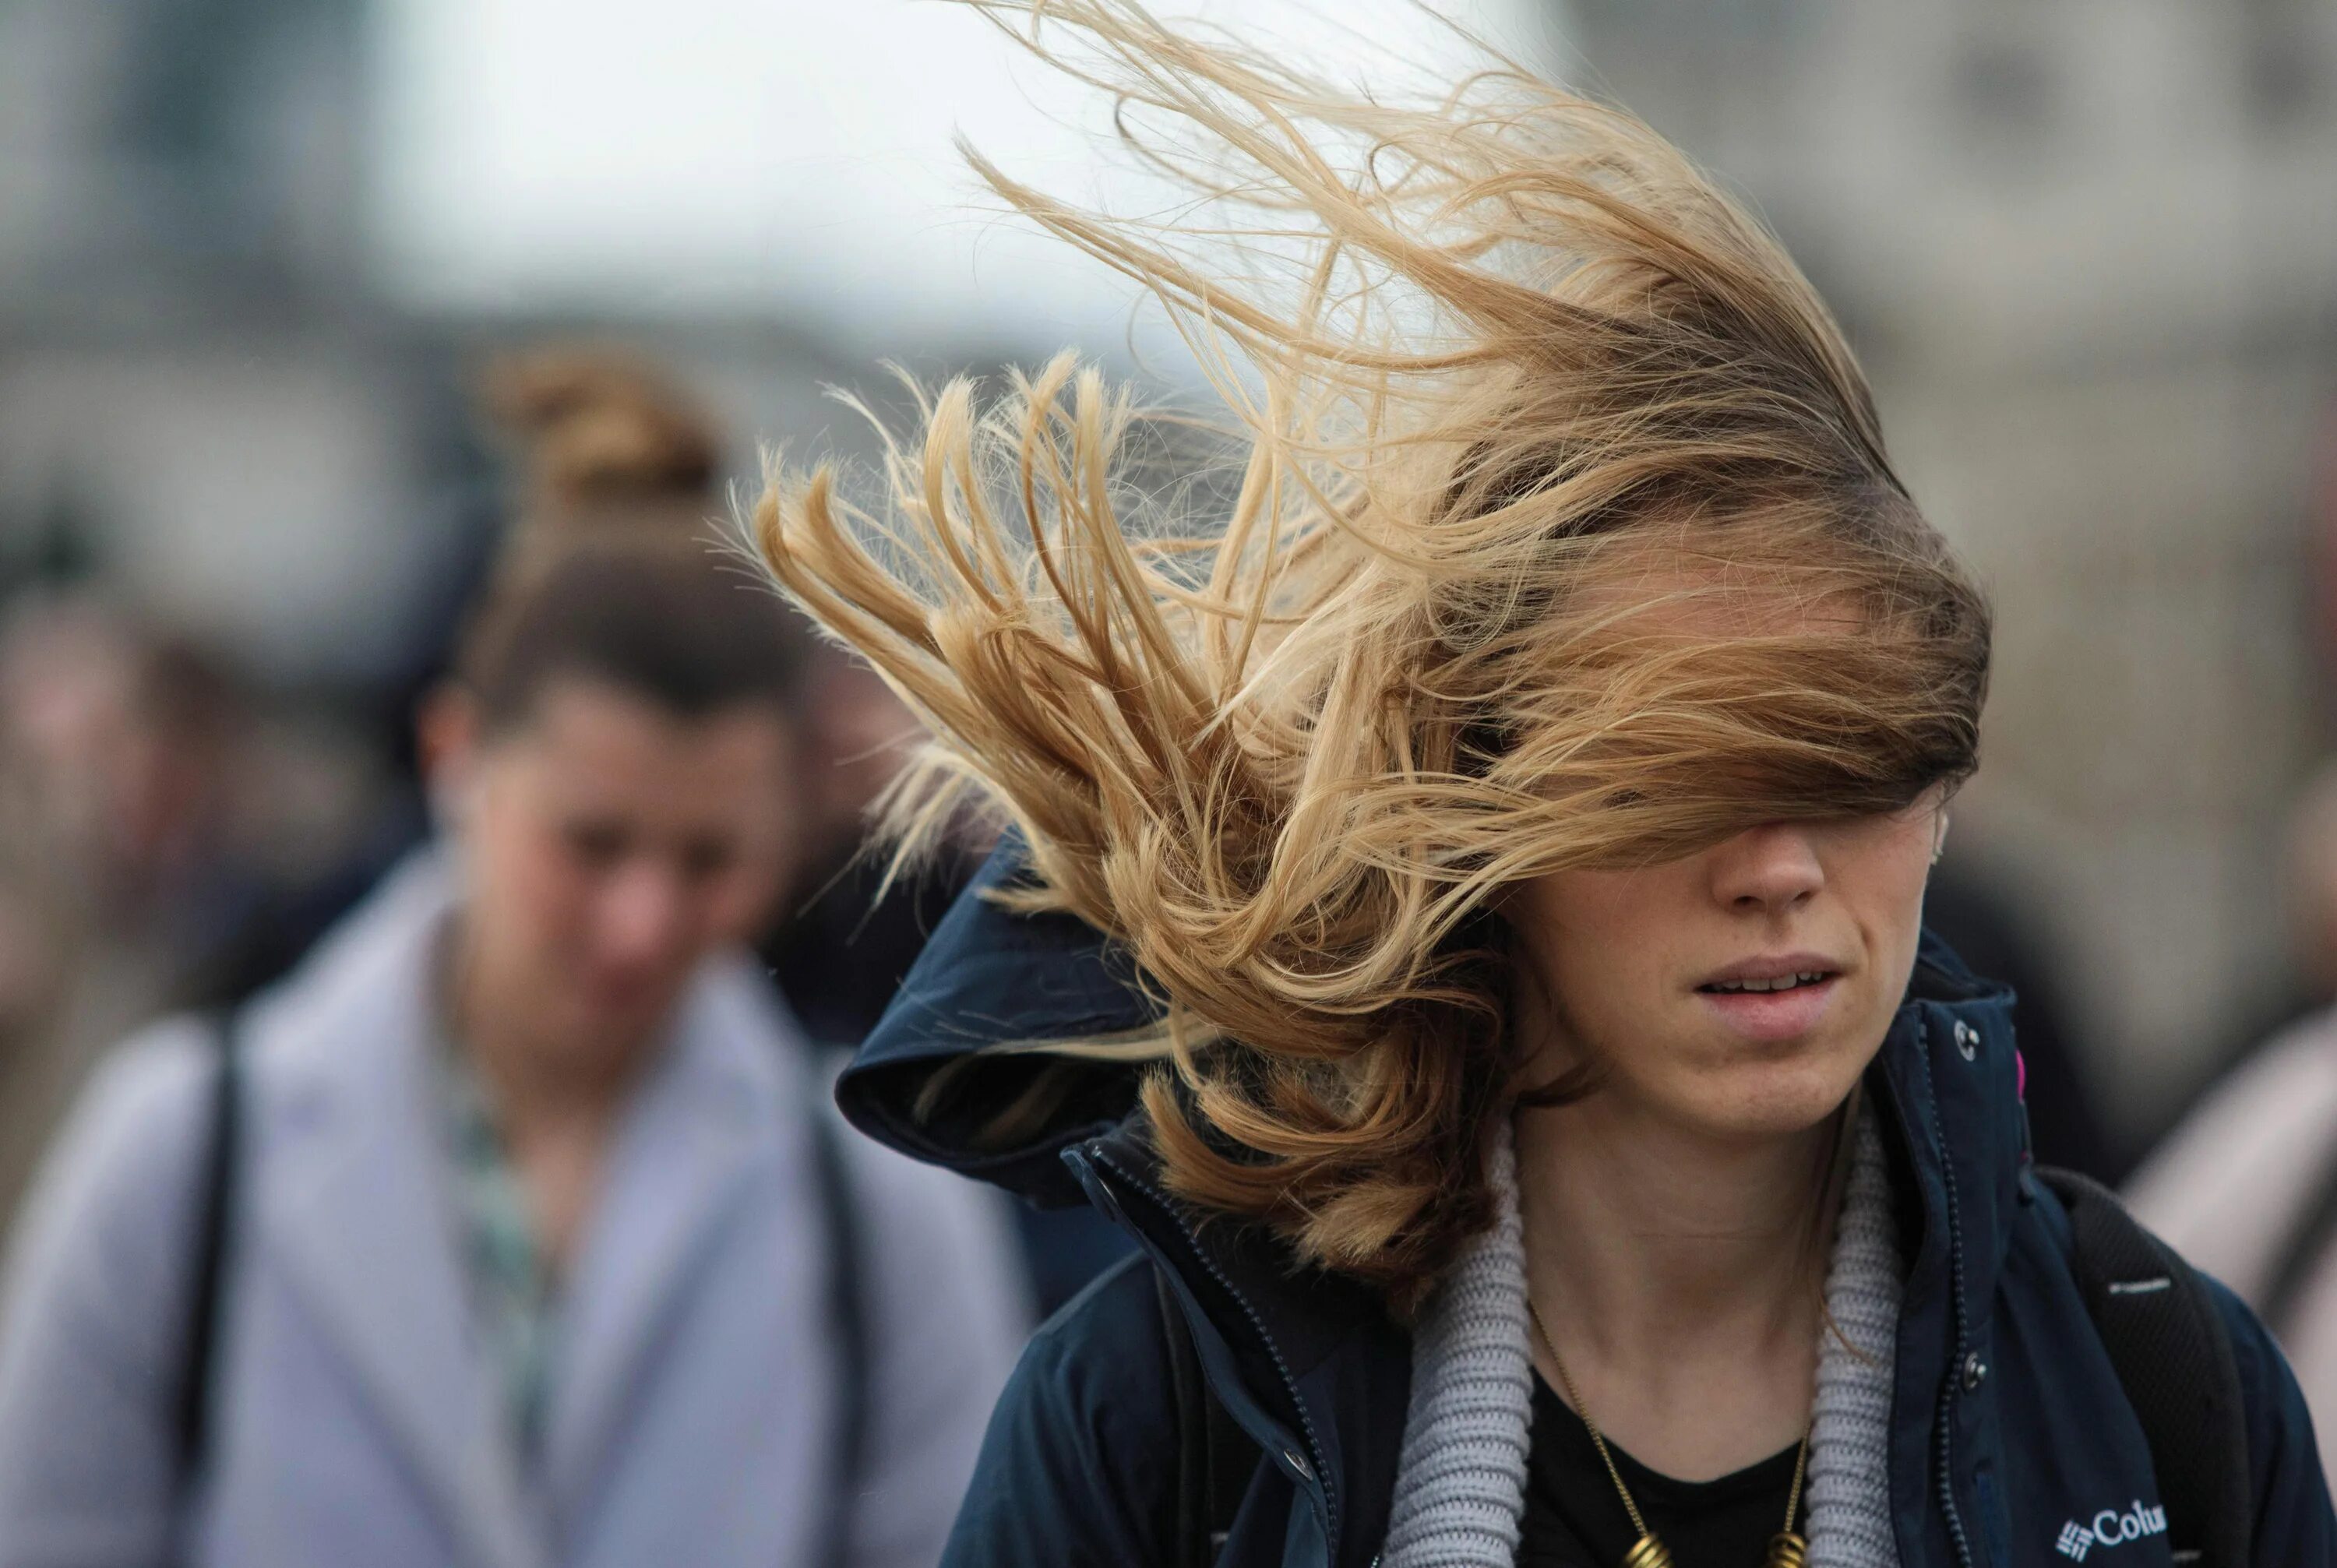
x=732 y=1095
x=1949 y=1076
x=347 y=1191
x=351 y=1190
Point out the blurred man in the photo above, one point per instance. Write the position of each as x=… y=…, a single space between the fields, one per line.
x=2246 y=1186
x=120 y=747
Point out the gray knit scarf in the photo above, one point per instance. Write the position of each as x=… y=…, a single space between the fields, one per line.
x=1461 y=1477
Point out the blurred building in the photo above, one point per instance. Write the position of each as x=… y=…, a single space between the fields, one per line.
x=205 y=397
x=2090 y=253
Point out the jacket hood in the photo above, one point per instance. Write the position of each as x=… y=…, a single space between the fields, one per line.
x=966 y=1041
x=963 y=1070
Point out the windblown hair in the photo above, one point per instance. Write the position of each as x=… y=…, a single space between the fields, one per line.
x=612 y=569
x=1564 y=536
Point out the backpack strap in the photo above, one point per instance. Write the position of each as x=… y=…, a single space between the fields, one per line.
x=847 y=1315
x=1215 y=1460
x=215 y=1200
x=2173 y=1353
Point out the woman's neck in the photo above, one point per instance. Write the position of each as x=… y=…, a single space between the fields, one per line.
x=1679 y=1276
x=531 y=1076
x=555 y=1101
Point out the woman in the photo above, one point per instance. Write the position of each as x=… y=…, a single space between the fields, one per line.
x=1501 y=822
x=540 y=1248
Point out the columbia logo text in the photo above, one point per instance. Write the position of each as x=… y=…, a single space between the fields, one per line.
x=2109 y=1528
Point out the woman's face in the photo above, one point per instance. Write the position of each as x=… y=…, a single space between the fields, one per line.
x=611 y=844
x=1741 y=990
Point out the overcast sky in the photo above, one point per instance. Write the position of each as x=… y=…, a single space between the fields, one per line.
x=789 y=156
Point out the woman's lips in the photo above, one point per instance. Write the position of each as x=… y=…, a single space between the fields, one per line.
x=1773 y=1015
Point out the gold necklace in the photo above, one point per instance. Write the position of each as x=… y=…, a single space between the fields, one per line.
x=1787 y=1548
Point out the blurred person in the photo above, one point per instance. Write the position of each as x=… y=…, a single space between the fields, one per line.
x=2246 y=1183
x=40 y=1065
x=125 y=750
x=121 y=737
x=844 y=939
x=513 y=1228
x=1463 y=915
x=841 y=954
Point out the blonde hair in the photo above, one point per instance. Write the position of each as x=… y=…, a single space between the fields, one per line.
x=1563 y=536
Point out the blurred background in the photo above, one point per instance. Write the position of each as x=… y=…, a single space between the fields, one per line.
x=252 y=253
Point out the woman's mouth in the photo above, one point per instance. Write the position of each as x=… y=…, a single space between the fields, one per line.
x=1781 y=983
x=1772 y=1002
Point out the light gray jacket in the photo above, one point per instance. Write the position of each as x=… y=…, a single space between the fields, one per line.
x=693 y=1401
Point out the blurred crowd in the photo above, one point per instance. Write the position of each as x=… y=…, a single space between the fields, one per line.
x=172 y=836
x=516 y=1053
x=178 y=841
x=174 y=833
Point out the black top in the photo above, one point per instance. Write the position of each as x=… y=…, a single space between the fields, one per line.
x=1575 y=1520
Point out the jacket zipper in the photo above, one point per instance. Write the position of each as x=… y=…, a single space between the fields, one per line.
x=1947 y=1413
x=1289 y=1384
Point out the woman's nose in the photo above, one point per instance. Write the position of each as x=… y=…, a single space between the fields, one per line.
x=1772 y=868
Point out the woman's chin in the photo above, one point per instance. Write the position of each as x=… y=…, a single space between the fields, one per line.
x=1775 y=1098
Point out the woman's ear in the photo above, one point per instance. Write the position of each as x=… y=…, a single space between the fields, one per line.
x=1939 y=836
x=446 y=747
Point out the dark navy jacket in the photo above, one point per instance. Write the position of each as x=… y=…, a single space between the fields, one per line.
x=2008 y=1427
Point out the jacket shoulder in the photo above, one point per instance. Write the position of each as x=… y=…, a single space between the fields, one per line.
x=1077 y=1463
x=96 y=1297
x=122 y=1169
x=1106 y=1345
